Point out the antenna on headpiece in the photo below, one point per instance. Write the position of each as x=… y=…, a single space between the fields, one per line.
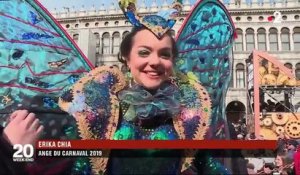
x=158 y=24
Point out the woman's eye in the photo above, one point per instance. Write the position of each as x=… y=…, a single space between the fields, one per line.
x=166 y=55
x=143 y=53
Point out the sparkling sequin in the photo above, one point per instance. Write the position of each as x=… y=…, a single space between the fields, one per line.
x=73 y=78
x=67 y=95
x=31 y=35
x=57 y=64
x=17 y=54
x=37 y=82
x=49 y=102
x=35 y=18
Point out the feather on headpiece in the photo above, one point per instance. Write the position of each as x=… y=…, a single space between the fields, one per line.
x=158 y=24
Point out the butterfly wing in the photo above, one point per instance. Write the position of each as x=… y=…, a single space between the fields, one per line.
x=204 y=44
x=37 y=60
x=37 y=57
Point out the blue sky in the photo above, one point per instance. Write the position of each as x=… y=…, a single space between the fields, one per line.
x=59 y=4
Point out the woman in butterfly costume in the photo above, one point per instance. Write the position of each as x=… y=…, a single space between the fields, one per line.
x=38 y=60
x=175 y=94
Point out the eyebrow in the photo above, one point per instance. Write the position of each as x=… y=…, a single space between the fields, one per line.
x=150 y=48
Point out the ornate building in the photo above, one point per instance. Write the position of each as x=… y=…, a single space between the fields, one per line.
x=269 y=26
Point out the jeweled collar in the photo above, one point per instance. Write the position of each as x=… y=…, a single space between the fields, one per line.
x=144 y=105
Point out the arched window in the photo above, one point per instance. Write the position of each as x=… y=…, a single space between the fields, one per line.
x=124 y=34
x=105 y=43
x=240 y=75
x=76 y=37
x=288 y=65
x=97 y=39
x=297 y=71
x=273 y=39
x=296 y=38
x=249 y=39
x=285 y=39
x=238 y=44
x=261 y=39
x=116 y=43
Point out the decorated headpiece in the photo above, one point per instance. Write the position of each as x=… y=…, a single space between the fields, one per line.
x=159 y=23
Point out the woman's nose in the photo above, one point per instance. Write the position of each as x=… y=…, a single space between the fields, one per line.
x=154 y=60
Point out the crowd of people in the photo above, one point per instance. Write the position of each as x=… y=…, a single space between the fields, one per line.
x=280 y=162
x=268 y=162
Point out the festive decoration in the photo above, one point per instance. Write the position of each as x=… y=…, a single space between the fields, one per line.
x=158 y=24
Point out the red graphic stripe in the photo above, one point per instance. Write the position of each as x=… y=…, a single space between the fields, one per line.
x=156 y=144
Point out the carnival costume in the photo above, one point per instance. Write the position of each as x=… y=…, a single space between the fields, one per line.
x=188 y=106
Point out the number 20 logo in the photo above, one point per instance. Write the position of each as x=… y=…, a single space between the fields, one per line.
x=23 y=151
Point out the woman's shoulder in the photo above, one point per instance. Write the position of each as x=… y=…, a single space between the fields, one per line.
x=94 y=89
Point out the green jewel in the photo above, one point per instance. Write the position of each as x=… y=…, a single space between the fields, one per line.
x=130 y=114
x=159 y=136
x=124 y=133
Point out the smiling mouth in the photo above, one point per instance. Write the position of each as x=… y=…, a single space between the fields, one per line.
x=153 y=74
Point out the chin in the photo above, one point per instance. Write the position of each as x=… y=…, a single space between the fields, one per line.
x=152 y=85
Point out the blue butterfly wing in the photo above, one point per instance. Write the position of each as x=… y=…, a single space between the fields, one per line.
x=37 y=58
x=204 y=44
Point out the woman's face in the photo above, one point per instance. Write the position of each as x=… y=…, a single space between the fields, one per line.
x=150 y=60
x=278 y=161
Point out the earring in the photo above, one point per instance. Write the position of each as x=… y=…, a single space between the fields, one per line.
x=128 y=77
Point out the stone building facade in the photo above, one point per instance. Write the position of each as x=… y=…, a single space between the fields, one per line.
x=271 y=26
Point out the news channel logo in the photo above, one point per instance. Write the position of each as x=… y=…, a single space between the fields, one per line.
x=23 y=153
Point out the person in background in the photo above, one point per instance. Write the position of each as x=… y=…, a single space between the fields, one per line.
x=23 y=128
x=284 y=163
x=250 y=169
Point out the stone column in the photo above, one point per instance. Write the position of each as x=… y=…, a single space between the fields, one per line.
x=244 y=40
x=267 y=40
x=110 y=44
x=279 y=40
x=291 y=33
x=255 y=40
x=234 y=75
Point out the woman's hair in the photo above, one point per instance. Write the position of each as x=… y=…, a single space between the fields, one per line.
x=127 y=43
x=286 y=159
